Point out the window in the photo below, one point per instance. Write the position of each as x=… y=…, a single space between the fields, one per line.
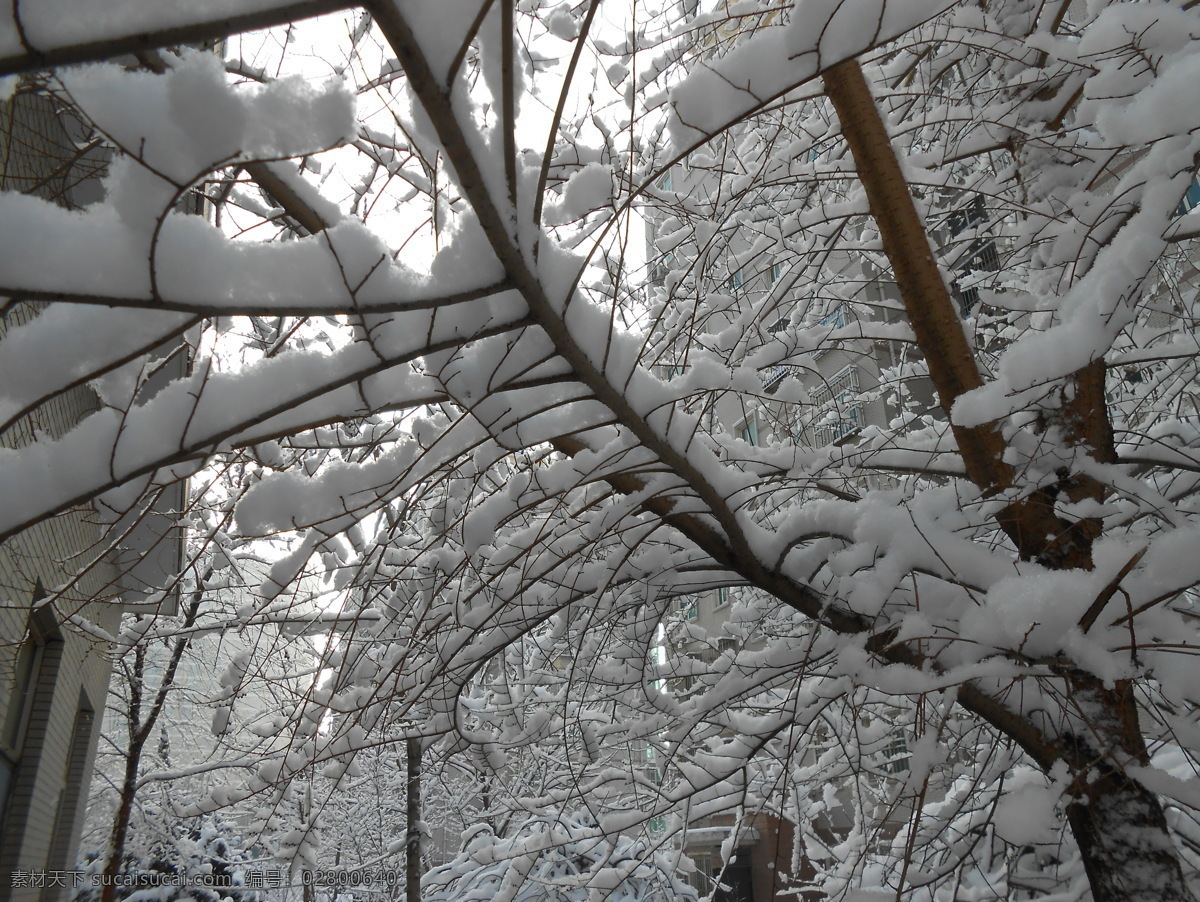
x=689 y=608
x=664 y=181
x=700 y=879
x=671 y=370
x=970 y=215
x=734 y=282
x=35 y=671
x=838 y=407
x=895 y=754
x=722 y=596
x=772 y=376
x=983 y=258
x=776 y=272
x=25 y=671
x=836 y=318
x=748 y=431
x=1191 y=199
x=661 y=268
x=980 y=256
x=74 y=779
x=26 y=668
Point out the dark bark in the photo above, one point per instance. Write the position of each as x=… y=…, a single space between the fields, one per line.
x=412 y=865
x=932 y=314
x=1119 y=825
x=1124 y=841
x=1031 y=523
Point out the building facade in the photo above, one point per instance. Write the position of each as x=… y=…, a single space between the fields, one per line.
x=63 y=581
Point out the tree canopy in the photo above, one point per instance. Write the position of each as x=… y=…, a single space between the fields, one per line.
x=488 y=435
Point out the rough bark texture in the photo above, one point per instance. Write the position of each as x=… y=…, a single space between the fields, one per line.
x=1119 y=825
x=1126 y=848
x=1030 y=522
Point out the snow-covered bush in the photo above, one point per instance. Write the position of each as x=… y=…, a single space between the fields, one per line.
x=196 y=860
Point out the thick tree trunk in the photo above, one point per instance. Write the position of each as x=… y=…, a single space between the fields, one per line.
x=1124 y=842
x=1119 y=825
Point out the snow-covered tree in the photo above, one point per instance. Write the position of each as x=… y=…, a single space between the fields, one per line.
x=175 y=695
x=144 y=684
x=424 y=364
